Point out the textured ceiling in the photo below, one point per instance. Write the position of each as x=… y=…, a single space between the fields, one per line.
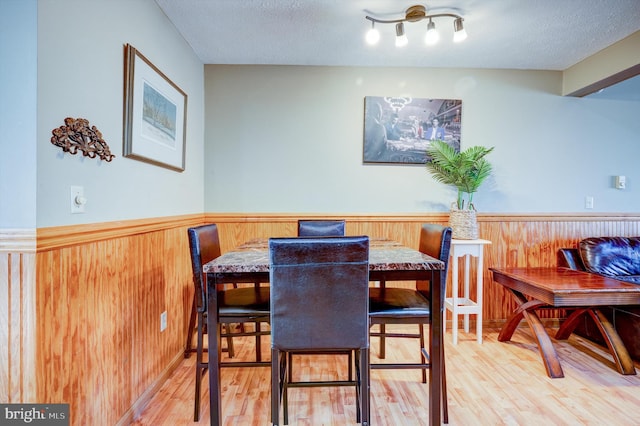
x=508 y=34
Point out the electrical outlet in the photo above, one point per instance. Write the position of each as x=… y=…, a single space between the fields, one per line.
x=163 y=321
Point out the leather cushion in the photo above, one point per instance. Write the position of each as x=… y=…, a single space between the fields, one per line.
x=393 y=301
x=629 y=278
x=321 y=228
x=617 y=257
x=244 y=301
x=570 y=258
x=319 y=293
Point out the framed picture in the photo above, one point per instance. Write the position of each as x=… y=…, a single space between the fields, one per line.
x=399 y=129
x=155 y=114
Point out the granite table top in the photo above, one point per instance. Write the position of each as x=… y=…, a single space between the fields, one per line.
x=384 y=255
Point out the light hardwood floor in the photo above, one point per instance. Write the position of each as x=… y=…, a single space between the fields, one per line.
x=489 y=384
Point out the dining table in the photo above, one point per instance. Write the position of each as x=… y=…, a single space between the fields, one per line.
x=388 y=261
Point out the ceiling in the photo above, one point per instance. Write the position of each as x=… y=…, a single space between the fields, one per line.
x=507 y=34
x=503 y=34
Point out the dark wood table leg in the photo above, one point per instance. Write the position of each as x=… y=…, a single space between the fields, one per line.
x=621 y=357
x=213 y=339
x=526 y=310
x=512 y=323
x=438 y=280
x=567 y=327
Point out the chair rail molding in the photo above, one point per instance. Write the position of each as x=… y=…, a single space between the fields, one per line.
x=18 y=240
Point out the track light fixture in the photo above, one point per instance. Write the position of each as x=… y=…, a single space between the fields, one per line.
x=416 y=14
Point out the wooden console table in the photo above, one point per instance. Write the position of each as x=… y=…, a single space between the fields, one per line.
x=536 y=288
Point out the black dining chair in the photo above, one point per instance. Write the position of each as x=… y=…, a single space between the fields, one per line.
x=389 y=305
x=192 y=329
x=235 y=305
x=319 y=303
x=321 y=228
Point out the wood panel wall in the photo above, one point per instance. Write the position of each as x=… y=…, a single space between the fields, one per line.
x=17 y=313
x=101 y=288
x=517 y=240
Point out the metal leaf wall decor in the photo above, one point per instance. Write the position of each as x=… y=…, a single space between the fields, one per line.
x=76 y=135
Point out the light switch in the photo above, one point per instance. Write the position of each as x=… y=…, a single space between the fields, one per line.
x=78 y=200
x=588 y=202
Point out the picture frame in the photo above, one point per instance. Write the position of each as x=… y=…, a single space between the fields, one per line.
x=397 y=130
x=155 y=114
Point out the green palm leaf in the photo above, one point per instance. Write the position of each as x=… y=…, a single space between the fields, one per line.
x=465 y=170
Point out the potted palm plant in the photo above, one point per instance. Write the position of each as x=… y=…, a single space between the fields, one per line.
x=466 y=171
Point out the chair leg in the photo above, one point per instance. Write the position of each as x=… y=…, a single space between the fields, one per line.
x=365 y=387
x=201 y=367
x=422 y=352
x=382 y=350
x=256 y=329
x=258 y=342
x=275 y=386
x=289 y=366
x=359 y=394
x=196 y=405
x=229 y=337
x=190 y=330
x=285 y=388
x=278 y=386
x=445 y=400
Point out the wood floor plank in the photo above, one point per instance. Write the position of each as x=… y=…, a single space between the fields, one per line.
x=493 y=383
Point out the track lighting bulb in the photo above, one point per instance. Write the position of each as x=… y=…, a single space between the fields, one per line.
x=373 y=35
x=459 y=33
x=401 y=37
x=432 y=36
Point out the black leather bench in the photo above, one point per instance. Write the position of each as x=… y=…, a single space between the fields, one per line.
x=614 y=257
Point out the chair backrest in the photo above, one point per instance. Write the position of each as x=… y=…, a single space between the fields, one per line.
x=611 y=256
x=319 y=293
x=435 y=241
x=570 y=258
x=321 y=228
x=204 y=245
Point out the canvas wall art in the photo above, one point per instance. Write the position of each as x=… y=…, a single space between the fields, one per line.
x=399 y=129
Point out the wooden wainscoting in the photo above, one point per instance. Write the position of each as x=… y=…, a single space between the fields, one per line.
x=17 y=313
x=517 y=240
x=101 y=288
